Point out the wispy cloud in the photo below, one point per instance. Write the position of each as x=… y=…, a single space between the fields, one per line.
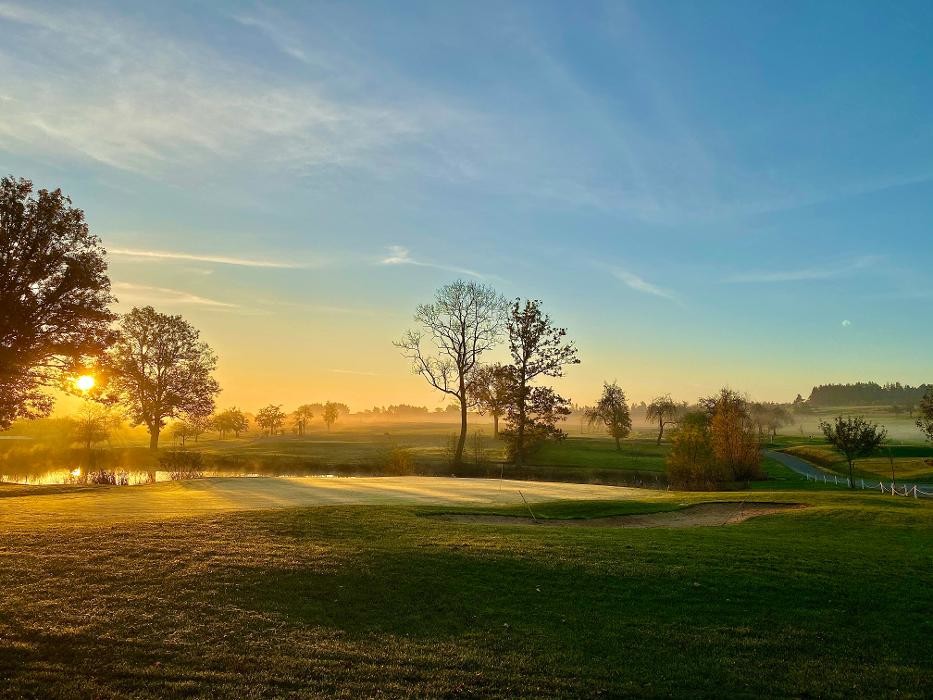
x=354 y=371
x=399 y=255
x=145 y=294
x=193 y=257
x=633 y=281
x=809 y=273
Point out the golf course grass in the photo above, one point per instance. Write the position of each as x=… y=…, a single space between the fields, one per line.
x=829 y=600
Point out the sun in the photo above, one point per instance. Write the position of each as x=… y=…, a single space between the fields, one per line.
x=85 y=382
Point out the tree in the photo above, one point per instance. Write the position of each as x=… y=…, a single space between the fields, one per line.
x=854 y=437
x=538 y=349
x=663 y=411
x=302 y=417
x=233 y=420
x=92 y=424
x=332 y=411
x=490 y=387
x=199 y=423
x=463 y=322
x=690 y=463
x=733 y=435
x=180 y=431
x=54 y=297
x=612 y=412
x=158 y=369
x=925 y=419
x=270 y=418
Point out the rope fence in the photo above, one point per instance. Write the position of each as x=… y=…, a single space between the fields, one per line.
x=892 y=489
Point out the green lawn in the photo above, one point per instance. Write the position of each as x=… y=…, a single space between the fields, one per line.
x=832 y=601
x=911 y=461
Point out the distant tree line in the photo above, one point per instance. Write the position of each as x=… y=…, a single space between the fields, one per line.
x=867 y=394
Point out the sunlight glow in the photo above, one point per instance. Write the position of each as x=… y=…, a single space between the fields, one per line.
x=85 y=382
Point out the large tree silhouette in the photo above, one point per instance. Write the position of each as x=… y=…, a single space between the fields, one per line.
x=158 y=369
x=54 y=293
x=538 y=349
x=463 y=322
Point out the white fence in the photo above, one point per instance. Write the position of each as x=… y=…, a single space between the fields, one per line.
x=892 y=489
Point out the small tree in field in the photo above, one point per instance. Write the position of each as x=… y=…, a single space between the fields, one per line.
x=854 y=437
x=733 y=435
x=538 y=349
x=302 y=418
x=463 y=322
x=690 y=463
x=925 y=419
x=662 y=411
x=233 y=420
x=611 y=412
x=158 y=369
x=332 y=411
x=270 y=418
x=491 y=389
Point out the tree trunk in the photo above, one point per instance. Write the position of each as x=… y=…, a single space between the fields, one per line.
x=660 y=431
x=851 y=475
x=154 y=437
x=495 y=425
x=618 y=445
x=520 y=428
x=461 y=442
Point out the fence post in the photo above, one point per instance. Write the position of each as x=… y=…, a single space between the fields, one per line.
x=915 y=490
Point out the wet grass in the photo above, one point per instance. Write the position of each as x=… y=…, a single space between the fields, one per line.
x=360 y=601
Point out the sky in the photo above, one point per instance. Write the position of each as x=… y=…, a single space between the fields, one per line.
x=703 y=194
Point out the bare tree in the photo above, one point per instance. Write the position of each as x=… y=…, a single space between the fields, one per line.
x=464 y=321
x=663 y=411
x=158 y=369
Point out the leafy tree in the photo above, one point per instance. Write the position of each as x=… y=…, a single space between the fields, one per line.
x=301 y=417
x=92 y=424
x=180 y=431
x=491 y=388
x=54 y=296
x=158 y=369
x=854 y=437
x=663 y=411
x=691 y=463
x=332 y=411
x=270 y=418
x=232 y=420
x=733 y=435
x=199 y=423
x=925 y=419
x=538 y=349
x=612 y=412
x=463 y=322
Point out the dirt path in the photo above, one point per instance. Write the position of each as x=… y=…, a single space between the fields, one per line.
x=698 y=515
x=35 y=508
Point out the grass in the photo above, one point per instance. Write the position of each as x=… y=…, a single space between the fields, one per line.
x=361 y=601
x=911 y=461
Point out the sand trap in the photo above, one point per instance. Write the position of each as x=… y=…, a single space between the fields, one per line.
x=698 y=515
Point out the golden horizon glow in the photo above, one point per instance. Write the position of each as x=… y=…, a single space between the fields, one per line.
x=85 y=382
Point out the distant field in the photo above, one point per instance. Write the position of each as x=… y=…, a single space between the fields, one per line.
x=910 y=461
x=358 y=601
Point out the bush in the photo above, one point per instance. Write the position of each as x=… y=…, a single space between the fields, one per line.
x=399 y=461
x=182 y=465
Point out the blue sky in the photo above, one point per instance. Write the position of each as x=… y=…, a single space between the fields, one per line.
x=704 y=193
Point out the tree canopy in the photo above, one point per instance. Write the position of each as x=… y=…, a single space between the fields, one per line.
x=611 y=412
x=54 y=296
x=854 y=437
x=158 y=369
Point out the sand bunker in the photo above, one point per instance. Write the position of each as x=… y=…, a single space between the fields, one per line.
x=698 y=515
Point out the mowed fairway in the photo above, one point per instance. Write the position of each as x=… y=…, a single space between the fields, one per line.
x=362 y=600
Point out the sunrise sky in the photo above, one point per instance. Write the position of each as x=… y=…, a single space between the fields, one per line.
x=702 y=193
